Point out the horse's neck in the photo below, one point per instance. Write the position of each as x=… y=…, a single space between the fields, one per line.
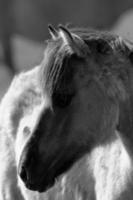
x=104 y=174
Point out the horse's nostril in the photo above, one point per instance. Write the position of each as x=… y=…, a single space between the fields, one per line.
x=26 y=169
x=23 y=174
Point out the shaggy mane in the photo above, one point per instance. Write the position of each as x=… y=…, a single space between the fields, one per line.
x=57 y=55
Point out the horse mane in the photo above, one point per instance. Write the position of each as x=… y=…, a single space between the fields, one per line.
x=57 y=55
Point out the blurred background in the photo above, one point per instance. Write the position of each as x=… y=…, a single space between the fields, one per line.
x=23 y=27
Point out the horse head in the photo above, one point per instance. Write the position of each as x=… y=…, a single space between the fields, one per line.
x=85 y=77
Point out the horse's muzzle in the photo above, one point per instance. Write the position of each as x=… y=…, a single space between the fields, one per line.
x=40 y=185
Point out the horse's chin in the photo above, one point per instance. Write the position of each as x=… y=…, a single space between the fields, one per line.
x=41 y=187
x=45 y=184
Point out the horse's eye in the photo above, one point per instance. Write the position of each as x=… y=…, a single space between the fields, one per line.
x=62 y=100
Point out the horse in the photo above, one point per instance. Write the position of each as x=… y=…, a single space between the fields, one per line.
x=66 y=125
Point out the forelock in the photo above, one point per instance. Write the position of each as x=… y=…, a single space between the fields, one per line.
x=56 y=57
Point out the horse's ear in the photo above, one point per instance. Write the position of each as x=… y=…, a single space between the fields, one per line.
x=53 y=32
x=74 y=42
x=66 y=36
